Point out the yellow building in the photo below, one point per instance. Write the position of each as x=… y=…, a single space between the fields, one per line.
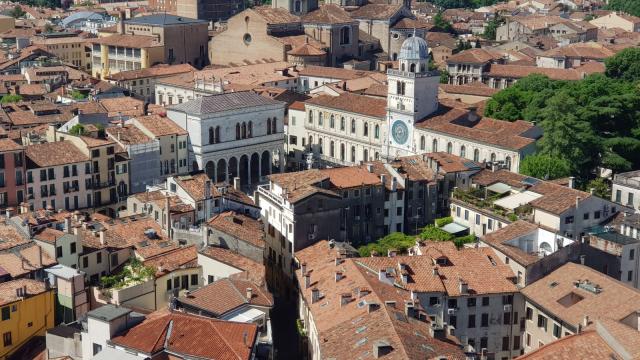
x=70 y=49
x=27 y=310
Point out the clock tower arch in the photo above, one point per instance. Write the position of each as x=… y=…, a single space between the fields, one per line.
x=412 y=95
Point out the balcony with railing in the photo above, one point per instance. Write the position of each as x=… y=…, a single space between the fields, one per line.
x=483 y=201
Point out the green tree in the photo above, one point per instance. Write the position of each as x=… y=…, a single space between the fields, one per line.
x=600 y=187
x=624 y=65
x=396 y=241
x=492 y=27
x=77 y=129
x=17 y=12
x=444 y=77
x=433 y=233
x=10 y=98
x=544 y=166
x=439 y=23
x=629 y=6
x=48 y=28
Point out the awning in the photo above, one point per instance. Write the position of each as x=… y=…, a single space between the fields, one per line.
x=516 y=200
x=247 y=316
x=499 y=188
x=455 y=228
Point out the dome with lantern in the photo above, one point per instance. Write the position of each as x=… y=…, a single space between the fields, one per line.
x=414 y=48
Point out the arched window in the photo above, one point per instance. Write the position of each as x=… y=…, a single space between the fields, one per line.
x=268 y=126
x=463 y=151
x=345 y=35
x=297 y=6
x=320 y=145
x=274 y=125
x=237 y=131
x=244 y=130
x=449 y=148
x=434 y=145
x=402 y=67
x=250 y=129
x=412 y=68
x=332 y=121
x=365 y=132
x=400 y=87
x=342 y=152
x=212 y=138
x=353 y=126
x=310 y=117
x=507 y=162
x=310 y=140
x=376 y=132
x=423 y=143
x=493 y=157
x=332 y=151
x=217 y=134
x=476 y=155
x=342 y=123
x=353 y=154
x=320 y=119
x=365 y=156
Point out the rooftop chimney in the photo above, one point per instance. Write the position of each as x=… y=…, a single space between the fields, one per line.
x=315 y=295
x=102 y=239
x=582 y=259
x=391 y=253
x=236 y=183
x=572 y=180
x=249 y=294
x=67 y=225
x=585 y=321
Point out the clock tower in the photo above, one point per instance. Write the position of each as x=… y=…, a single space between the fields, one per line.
x=412 y=96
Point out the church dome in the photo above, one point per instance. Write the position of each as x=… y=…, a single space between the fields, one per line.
x=414 y=48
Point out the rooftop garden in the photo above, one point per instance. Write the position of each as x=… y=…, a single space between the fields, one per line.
x=482 y=199
x=132 y=274
x=401 y=242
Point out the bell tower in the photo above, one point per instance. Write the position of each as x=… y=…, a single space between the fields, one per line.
x=412 y=96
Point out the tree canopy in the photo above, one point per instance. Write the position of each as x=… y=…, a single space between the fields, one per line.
x=10 y=98
x=545 y=166
x=588 y=123
x=629 y=6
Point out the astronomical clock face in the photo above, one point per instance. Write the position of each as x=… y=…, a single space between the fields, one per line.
x=400 y=132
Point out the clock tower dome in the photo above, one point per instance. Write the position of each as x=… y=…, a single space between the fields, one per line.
x=412 y=96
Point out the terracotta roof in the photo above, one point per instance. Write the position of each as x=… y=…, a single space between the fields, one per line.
x=154 y=71
x=614 y=300
x=9 y=145
x=276 y=15
x=194 y=185
x=475 y=88
x=499 y=238
x=251 y=270
x=408 y=23
x=54 y=154
x=191 y=336
x=128 y=135
x=160 y=125
x=166 y=263
x=520 y=71
x=333 y=73
x=297 y=105
x=376 y=11
x=474 y=56
x=239 y=226
x=10 y=237
x=358 y=104
x=127 y=40
x=351 y=176
x=306 y=50
x=590 y=50
x=225 y=295
x=49 y=235
x=345 y=328
x=32 y=89
x=455 y=122
x=123 y=105
x=468 y=264
x=8 y=289
x=327 y=14
x=588 y=345
x=19 y=262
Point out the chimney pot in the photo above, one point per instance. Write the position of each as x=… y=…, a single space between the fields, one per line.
x=249 y=294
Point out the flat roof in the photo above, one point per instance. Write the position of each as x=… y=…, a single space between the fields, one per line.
x=108 y=353
x=108 y=312
x=513 y=201
x=162 y=20
x=63 y=271
x=454 y=228
x=616 y=238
